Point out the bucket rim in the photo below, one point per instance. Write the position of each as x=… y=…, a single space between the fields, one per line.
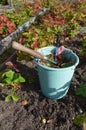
x=51 y=68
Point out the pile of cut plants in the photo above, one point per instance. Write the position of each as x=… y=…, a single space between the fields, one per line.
x=23 y=105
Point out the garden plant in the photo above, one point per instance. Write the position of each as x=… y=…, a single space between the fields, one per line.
x=23 y=106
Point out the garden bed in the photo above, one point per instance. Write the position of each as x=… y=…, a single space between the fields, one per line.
x=34 y=111
x=26 y=108
x=13 y=23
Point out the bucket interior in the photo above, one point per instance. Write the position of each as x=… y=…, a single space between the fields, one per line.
x=67 y=55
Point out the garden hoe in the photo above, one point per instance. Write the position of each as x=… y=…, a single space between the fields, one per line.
x=34 y=53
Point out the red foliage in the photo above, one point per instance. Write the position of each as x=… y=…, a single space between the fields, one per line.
x=53 y=20
x=22 y=40
x=6 y=26
x=35 y=45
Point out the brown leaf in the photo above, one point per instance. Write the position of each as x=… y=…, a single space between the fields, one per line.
x=50 y=121
x=44 y=120
x=84 y=125
x=25 y=102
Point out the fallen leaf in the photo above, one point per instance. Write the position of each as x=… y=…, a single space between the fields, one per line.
x=84 y=125
x=44 y=121
x=25 y=102
x=50 y=121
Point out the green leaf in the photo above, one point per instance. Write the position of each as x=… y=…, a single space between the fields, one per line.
x=58 y=30
x=65 y=64
x=81 y=90
x=37 y=30
x=78 y=119
x=21 y=79
x=1 y=73
x=31 y=80
x=11 y=77
x=8 y=98
x=48 y=29
x=15 y=98
x=18 y=78
x=7 y=81
x=8 y=74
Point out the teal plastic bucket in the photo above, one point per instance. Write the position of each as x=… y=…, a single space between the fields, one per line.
x=55 y=82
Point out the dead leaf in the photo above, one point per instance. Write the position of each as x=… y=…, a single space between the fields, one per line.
x=44 y=120
x=84 y=125
x=50 y=121
x=25 y=102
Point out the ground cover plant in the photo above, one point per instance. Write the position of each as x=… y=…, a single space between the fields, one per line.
x=17 y=17
x=62 y=19
x=23 y=106
x=81 y=119
x=11 y=78
x=6 y=26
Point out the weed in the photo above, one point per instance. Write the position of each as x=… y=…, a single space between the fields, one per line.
x=11 y=78
x=12 y=96
x=81 y=119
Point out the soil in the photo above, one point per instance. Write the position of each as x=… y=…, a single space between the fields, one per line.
x=36 y=112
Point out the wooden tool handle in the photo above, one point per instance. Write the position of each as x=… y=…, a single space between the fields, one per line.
x=22 y=48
